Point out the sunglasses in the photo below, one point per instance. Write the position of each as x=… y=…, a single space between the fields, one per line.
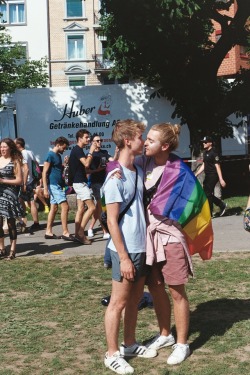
x=98 y=140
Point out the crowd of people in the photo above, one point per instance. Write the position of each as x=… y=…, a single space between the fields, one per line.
x=20 y=190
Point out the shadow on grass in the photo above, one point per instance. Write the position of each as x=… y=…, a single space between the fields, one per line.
x=214 y=318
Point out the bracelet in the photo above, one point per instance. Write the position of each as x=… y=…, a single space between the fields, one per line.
x=89 y=154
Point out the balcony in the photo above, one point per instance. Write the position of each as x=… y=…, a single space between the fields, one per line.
x=97 y=21
x=102 y=64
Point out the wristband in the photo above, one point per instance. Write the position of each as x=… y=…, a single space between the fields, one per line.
x=89 y=154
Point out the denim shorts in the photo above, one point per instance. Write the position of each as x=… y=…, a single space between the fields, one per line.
x=83 y=192
x=138 y=260
x=57 y=194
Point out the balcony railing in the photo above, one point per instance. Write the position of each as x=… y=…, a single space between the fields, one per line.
x=97 y=20
x=101 y=63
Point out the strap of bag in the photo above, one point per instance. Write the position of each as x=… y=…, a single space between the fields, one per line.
x=128 y=206
x=157 y=183
x=153 y=188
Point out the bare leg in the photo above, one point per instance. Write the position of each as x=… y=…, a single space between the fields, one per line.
x=131 y=311
x=181 y=312
x=162 y=308
x=51 y=218
x=93 y=218
x=119 y=297
x=34 y=211
x=86 y=216
x=24 y=219
x=2 y=249
x=40 y=196
x=79 y=215
x=161 y=300
x=64 y=217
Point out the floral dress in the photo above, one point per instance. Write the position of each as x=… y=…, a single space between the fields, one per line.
x=10 y=206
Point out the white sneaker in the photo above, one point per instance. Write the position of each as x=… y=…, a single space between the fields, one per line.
x=106 y=236
x=118 y=364
x=159 y=342
x=90 y=233
x=137 y=350
x=180 y=353
x=223 y=209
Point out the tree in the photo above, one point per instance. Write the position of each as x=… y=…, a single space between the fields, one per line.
x=167 y=44
x=15 y=70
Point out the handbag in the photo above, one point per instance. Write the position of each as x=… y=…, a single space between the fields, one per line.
x=246 y=219
x=103 y=217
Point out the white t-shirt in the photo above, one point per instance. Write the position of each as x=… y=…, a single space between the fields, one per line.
x=28 y=156
x=132 y=225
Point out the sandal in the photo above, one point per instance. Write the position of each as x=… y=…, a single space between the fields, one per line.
x=83 y=241
x=12 y=255
x=23 y=228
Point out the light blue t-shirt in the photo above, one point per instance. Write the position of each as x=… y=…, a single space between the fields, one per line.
x=132 y=225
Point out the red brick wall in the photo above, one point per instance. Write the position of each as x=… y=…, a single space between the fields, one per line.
x=235 y=59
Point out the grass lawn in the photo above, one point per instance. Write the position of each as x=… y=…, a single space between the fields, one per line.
x=52 y=318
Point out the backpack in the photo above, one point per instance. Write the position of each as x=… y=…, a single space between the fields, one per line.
x=36 y=170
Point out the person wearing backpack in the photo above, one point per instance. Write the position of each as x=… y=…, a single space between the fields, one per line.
x=29 y=184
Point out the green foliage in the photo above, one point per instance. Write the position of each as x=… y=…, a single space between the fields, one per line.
x=15 y=70
x=167 y=44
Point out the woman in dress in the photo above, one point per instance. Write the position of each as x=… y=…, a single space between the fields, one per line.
x=10 y=182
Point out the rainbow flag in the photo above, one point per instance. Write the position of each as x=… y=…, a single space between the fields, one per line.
x=181 y=198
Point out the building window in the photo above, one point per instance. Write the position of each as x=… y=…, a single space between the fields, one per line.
x=76 y=81
x=13 y=12
x=74 y=8
x=75 y=47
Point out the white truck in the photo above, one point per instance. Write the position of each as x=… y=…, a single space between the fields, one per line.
x=44 y=114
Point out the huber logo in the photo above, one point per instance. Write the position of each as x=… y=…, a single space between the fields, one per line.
x=74 y=113
x=105 y=106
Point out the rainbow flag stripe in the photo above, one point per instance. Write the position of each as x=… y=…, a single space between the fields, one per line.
x=181 y=198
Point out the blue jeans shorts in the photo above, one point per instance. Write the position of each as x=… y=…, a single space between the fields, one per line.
x=57 y=194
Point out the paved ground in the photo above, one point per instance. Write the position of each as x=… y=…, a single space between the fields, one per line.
x=228 y=232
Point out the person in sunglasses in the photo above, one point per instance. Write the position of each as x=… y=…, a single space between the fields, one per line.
x=213 y=174
x=97 y=172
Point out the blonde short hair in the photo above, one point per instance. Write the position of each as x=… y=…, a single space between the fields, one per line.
x=126 y=129
x=169 y=134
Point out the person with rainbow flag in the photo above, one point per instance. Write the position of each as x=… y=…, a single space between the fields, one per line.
x=178 y=225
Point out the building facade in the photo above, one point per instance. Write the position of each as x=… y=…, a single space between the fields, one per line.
x=76 y=44
x=26 y=22
x=68 y=33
